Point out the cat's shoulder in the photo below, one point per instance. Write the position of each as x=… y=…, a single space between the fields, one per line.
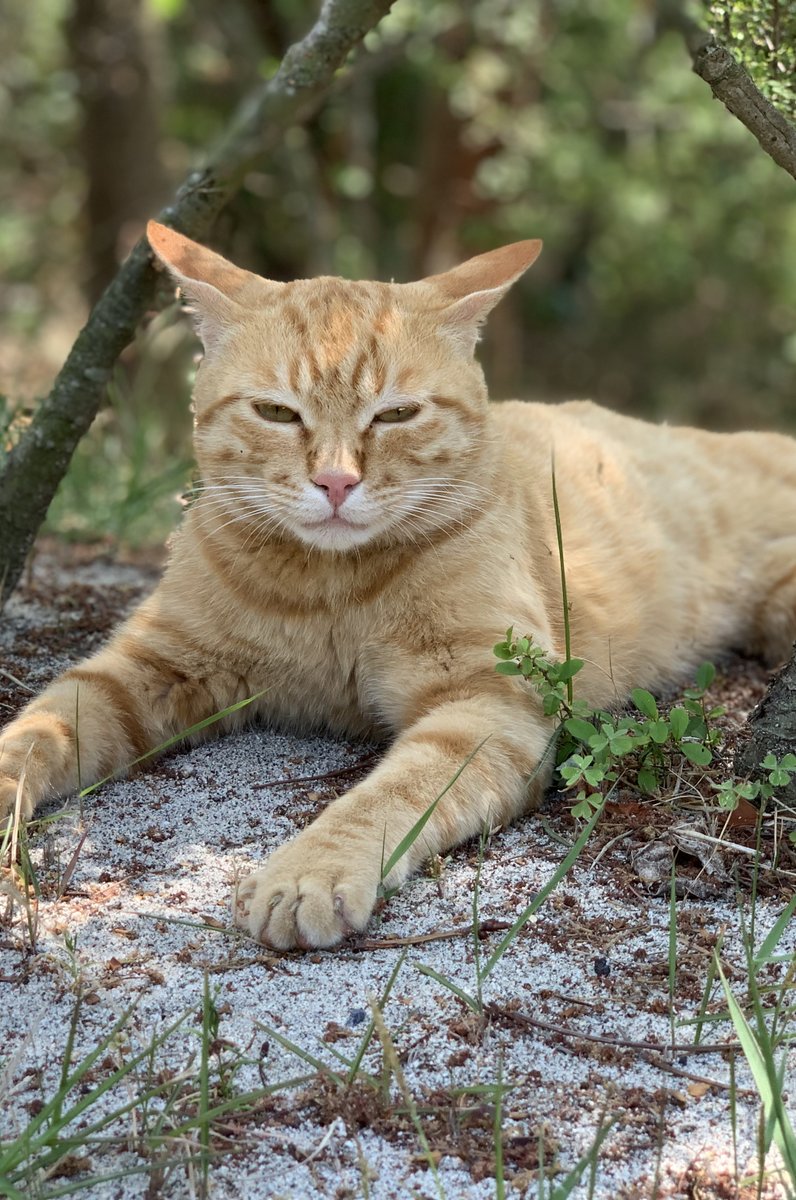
x=520 y=416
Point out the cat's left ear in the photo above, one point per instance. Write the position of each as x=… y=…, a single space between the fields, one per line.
x=470 y=292
x=217 y=289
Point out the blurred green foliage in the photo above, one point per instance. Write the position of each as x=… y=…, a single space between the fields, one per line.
x=667 y=287
x=762 y=35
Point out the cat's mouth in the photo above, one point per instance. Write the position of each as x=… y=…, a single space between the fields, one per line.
x=335 y=521
x=336 y=532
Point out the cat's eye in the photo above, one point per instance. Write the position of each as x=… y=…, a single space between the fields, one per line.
x=276 y=412
x=393 y=416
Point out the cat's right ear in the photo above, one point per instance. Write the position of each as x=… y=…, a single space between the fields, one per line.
x=217 y=290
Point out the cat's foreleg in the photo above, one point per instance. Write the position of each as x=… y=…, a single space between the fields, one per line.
x=324 y=884
x=97 y=718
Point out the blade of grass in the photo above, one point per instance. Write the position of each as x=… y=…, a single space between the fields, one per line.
x=767 y=1080
x=567 y=1186
x=701 y=1016
x=564 y=597
x=204 y=1086
x=304 y=1055
x=464 y=996
x=391 y=1056
x=497 y=1133
x=775 y=933
x=561 y=870
x=47 y=1123
x=382 y=1002
x=178 y=737
x=672 y=948
x=411 y=837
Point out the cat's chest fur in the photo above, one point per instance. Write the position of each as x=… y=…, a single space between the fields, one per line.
x=345 y=654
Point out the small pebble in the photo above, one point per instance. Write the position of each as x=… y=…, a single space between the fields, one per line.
x=602 y=966
x=356 y=1016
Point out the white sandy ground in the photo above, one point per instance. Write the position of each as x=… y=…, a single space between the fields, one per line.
x=157 y=862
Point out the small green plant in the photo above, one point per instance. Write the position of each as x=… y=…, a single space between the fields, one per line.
x=596 y=746
x=730 y=792
x=645 y=748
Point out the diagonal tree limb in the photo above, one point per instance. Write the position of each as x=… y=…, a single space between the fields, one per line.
x=39 y=461
x=731 y=83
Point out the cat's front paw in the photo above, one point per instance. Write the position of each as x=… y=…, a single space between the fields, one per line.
x=306 y=897
x=8 y=798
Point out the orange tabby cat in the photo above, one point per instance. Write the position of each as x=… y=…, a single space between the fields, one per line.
x=368 y=525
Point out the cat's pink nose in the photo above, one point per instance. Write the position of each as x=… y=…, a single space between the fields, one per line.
x=337 y=485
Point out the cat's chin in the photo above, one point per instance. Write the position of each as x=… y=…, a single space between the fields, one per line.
x=335 y=534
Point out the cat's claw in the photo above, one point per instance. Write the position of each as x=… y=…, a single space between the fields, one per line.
x=288 y=903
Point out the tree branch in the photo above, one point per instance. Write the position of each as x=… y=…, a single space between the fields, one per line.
x=731 y=83
x=39 y=461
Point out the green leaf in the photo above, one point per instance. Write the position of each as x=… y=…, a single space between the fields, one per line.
x=167 y=10
x=502 y=650
x=705 y=675
x=760 y=1059
x=789 y=762
x=508 y=668
x=770 y=761
x=647 y=781
x=551 y=704
x=678 y=722
x=622 y=744
x=659 y=732
x=645 y=703
x=569 y=668
x=696 y=753
x=583 y=730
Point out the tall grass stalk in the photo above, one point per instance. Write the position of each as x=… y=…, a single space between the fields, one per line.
x=562 y=568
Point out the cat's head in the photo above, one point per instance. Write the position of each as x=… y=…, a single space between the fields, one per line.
x=334 y=412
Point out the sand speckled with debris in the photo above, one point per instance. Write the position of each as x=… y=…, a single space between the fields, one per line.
x=145 y=915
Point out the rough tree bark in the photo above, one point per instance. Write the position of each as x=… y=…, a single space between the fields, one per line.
x=732 y=84
x=772 y=728
x=39 y=461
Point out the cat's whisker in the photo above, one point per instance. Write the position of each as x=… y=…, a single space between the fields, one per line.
x=249 y=515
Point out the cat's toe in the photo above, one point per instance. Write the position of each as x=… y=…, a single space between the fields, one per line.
x=308 y=911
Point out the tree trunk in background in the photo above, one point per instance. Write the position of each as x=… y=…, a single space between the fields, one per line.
x=772 y=728
x=39 y=461
x=119 y=135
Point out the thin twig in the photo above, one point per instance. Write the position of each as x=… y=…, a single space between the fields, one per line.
x=622 y=1043
x=663 y=1064
x=439 y=935
x=337 y=774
